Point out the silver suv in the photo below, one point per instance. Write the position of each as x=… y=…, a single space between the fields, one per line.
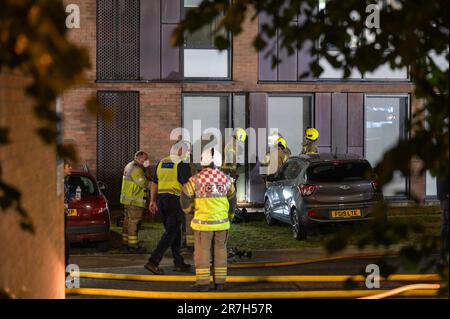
x=326 y=188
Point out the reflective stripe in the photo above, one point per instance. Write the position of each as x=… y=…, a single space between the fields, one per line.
x=210 y=222
x=123 y=197
x=190 y=239
x=134 y=186
x=173 y=191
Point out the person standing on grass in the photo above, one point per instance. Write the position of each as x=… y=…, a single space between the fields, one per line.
x=171 y=173
x=211 y=196
x=133 y=196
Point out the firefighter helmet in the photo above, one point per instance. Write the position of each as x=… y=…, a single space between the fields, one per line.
x=241 y=134
x=311 y=134
x=281 y=141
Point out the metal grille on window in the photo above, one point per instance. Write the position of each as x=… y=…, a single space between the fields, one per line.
x=118 y=140
x=118 y=39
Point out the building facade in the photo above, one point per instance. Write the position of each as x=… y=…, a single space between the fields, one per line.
x=153 y=88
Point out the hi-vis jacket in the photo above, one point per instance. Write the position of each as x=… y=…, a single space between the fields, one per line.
x=167 y=175
x=134 y=185
x=231 y=152
x=212 y=196
x=309 y=148
x=275 y=158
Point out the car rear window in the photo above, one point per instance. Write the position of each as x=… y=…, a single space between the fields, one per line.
x=340 y=172
x=87 y=184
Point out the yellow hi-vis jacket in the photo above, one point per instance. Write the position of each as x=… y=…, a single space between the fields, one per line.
x=167 y=174
x=212 y=196
x=134 y=186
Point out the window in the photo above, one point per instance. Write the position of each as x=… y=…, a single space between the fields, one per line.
x=291 y=170
x=383 y=72
x=118 y=40
x=87 y=185
x=385 y=119
x=340 y=172
x=203 y=113
x=293 y=66
x=201 y=59
x=430 y=186
x=290 y=115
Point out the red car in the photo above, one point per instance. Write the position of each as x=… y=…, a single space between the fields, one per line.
x=88 y=220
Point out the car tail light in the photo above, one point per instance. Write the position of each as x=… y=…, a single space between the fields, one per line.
x=312 y=214
x=376 y=185
x=306 y=190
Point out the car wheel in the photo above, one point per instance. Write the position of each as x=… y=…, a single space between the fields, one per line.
x=103 y=246
x=298 y=229
x=267 y=216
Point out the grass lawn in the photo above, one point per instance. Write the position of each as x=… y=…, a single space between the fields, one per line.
x=256 y=234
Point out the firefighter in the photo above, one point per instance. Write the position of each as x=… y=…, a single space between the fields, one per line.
x=278 y=154
x=211 y=196
x=231 y=151
x=309 y=146
x=171 y=173
x=133 y=196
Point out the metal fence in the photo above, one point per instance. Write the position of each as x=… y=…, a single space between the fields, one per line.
x=118 y=30
x=118 y=140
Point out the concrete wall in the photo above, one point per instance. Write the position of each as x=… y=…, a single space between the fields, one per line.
x=31 y=266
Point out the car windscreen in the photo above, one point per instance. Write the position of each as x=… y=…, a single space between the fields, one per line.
x=339 y=172
x=87 y=185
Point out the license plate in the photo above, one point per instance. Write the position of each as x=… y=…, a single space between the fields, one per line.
x=349 y=213
x=72 y=212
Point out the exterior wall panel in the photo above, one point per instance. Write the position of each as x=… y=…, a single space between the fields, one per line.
x=339 y=122
x=150 y=53
x=355 y=130
x=323 y=121
x=170 y=56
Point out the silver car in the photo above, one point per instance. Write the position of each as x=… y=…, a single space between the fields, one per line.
x=315 y=190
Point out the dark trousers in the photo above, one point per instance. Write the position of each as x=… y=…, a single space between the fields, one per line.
x=173 y=218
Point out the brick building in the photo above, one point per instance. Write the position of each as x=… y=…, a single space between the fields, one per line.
x=153 y=88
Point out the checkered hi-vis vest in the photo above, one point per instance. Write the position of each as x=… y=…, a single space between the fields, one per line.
x=212 y=188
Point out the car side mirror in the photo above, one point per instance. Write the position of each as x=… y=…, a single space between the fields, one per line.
x=102 y=186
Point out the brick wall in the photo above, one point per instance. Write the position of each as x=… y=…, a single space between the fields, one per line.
x=32 y=266
x=160 y=103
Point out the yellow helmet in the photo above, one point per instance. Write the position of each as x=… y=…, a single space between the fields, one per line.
x=311 y=134
x=241 y=134
x=281 y=141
